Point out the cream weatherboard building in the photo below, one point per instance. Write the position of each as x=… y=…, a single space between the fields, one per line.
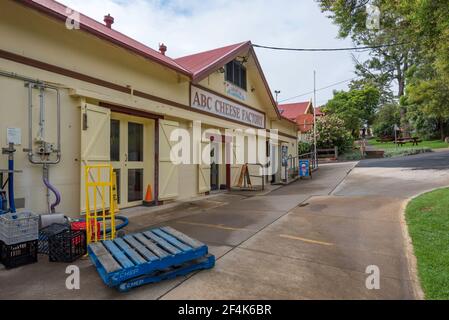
x=119 y=103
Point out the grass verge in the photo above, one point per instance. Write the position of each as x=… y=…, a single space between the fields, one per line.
x=432 y=144
x=427 y=218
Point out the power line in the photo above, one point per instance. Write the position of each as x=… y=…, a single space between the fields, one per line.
x=328 y=49
x=323 y=88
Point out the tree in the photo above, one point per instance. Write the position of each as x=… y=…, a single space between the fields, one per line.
x=332 y=133
x=386 y=64
x=428 y=80
x=386 y=118
x=355 y=107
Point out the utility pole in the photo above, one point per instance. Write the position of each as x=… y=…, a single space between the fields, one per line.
x=314 y=119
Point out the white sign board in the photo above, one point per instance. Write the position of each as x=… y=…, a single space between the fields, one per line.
x=14 y=135
x=217 y=105
x=235 y=91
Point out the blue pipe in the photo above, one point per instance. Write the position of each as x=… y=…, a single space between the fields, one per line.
x=56 y=192
x=12 y=204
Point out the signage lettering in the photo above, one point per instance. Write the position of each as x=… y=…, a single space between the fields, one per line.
x=214 y=104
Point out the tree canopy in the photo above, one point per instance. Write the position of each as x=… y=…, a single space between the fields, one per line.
x=355 y=107
x=411 y=66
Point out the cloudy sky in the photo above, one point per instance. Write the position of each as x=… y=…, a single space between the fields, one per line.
x=191 y=26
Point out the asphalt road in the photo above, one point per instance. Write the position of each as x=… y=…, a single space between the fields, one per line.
x=425 y=161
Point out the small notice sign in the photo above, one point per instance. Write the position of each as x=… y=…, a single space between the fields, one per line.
x=14 y=135
x=304 y=167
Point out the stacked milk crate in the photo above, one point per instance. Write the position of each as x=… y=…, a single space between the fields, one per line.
x=19 y=234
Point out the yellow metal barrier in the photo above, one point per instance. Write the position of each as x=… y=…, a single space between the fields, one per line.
x=102 y=181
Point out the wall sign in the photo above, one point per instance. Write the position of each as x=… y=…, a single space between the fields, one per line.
x=14 y=135
x=235 y=91
x=214 y=104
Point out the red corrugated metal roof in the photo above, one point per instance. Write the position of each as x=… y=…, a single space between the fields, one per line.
x=199 y=62
x=305 y=122
x=59 y=11
x=318 y=112
x=293 y=110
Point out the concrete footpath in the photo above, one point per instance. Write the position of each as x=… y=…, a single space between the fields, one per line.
x=312 y=239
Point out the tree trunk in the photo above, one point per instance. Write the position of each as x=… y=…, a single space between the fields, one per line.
x=442 y=133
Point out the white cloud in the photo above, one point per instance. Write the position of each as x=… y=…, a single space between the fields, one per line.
x=191 y=26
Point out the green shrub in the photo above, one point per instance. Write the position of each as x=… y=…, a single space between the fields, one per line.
x=351 y=156
x=331 y=132
x=401 y=152
x=304 y=147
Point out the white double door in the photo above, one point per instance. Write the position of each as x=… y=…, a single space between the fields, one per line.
x=131 y=157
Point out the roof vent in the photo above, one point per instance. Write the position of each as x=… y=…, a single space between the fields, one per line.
x=108 y=20
x=162 y=48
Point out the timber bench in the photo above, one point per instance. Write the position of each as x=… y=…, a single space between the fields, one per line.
x=151 y=256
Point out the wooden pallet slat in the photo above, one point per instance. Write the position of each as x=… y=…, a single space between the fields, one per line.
x=147 y=254
x=104 y=257
x=130 y=252
x=151 y=245
x=161 y=242
x=182 y=237
x=118 y=254
x=172 y=240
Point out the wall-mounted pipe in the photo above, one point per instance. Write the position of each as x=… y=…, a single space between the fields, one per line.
x=31 y=155
x=44 y=153
x=46 y=179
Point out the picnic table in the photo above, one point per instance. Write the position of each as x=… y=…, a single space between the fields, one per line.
x=414 y=140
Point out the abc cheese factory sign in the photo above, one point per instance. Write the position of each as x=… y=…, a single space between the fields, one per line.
x=214 y=104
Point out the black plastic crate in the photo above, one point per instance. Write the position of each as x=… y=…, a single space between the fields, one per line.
x=48 y=232
x=19 y=254
x=67 y=246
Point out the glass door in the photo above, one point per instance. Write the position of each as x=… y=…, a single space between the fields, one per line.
x=127 y=158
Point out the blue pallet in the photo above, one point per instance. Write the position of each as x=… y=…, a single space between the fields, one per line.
x=149 y=256
x=206 y=262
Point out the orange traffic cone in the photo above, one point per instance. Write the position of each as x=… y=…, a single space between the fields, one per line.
x=148 y=202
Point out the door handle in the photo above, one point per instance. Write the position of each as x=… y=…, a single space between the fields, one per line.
x=126 y=157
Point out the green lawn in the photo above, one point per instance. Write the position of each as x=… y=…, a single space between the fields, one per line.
x=432 y=144
x=428 y=224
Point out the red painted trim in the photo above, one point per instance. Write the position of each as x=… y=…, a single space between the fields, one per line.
x=66 y=72
x=130 y=111
x=228 y=176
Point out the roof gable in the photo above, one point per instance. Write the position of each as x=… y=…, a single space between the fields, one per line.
x=204 y=63
x=293 y=110
x=200 y=63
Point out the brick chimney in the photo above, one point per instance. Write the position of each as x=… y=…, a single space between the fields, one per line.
x=108 y=20
x=162 y=48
